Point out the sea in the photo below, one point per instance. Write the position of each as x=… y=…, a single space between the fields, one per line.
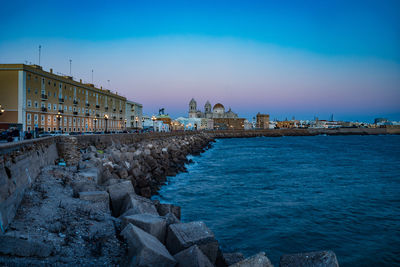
x=284 y=195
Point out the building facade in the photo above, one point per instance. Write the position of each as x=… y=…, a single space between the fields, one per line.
x=134 y=115
x=43 y=101
x=218 y=111
x=262 y=121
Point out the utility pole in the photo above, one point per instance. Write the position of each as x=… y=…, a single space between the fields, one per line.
x=40 y=48
x=70 y=63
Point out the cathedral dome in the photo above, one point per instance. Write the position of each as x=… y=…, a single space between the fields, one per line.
x=219 y=108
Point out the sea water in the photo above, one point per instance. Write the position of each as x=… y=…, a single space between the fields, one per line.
x=297 y=194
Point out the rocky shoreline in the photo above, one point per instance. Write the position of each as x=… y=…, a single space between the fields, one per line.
x=99 y=212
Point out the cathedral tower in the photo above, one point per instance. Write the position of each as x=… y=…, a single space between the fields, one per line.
x=192 y=108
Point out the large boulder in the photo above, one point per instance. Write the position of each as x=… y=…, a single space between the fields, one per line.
x=117 y=194
x=310 y=259
x=99 y=197
x=134 y=204
x=184 y=235
x=164 y=209
x=152 y=224
x=145 y=249
x=193 y=257
x=258 y=260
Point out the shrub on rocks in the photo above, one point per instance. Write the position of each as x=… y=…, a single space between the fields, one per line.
x=145 y=249
x=317 y=258
x=184 y=235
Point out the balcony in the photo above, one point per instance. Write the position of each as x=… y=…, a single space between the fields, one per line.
x=75 y=113
x=97 y=106
x=87 y=114
x=61 y=100
x=44 y=97
x=44 y=109
x=61 y=111
x=75 y=102
x=87 y=104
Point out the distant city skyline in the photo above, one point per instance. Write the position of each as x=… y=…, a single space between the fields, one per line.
x=292 y=58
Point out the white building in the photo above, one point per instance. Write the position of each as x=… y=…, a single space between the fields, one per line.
x=134 y=115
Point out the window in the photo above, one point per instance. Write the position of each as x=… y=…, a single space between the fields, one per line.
x=48 y=119
x=29 y=103
x=60 y=107
x=65 y=108
x=29 y=117
x=55 y=85
x=35 y=91
x=29 y=90
x=49 y=81
x=43 y=105
x=29 y=76
x=43 y=81
x=49 y=106
x=55 y=95
x=36 y=117
x=55 y=106
x=29 y=129
x=42 y=119
x=36 y=104
x=48 y=129
x=70 y=109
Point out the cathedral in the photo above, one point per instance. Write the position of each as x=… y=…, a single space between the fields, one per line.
x=218 y=111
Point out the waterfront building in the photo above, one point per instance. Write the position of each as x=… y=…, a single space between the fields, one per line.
x=218 y=111
x=262 y=121
x=134 y=115
x=43 y=101
x=229 y=124
x=248 y=125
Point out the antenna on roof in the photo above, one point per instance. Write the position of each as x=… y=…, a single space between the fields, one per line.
x=70 y=63
x=40 y=48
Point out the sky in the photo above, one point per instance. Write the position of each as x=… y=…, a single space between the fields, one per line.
x=285 y=58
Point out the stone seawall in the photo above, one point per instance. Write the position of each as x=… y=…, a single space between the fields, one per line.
x=20 y=163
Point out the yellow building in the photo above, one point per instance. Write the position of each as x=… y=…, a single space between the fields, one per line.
x=43 y=101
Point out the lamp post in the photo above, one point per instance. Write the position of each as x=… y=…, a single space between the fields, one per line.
x=137 y=120
x=1 y=110
x=95 y=122
x=106 y=119
x=153 y=118
x=125 y=124
x=59 y=116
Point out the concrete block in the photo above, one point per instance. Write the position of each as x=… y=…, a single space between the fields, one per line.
x=184 y=235
x=145 y=249
x=152 y=224
x=138 y=205
x=94 y=196
x=193 y=257
x=311 y=259
x=258 y=260
x=164 y=209
x=117 y=193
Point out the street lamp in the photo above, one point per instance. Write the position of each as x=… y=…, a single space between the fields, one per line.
x=59 y=116
x=106 y=119
x=137 y=120
x=95 y=122
x=153 y=118
x=1 y=110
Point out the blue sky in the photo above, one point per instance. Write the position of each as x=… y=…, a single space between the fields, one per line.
x=286 y=58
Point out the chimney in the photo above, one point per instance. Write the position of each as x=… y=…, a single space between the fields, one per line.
x=51 y=70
